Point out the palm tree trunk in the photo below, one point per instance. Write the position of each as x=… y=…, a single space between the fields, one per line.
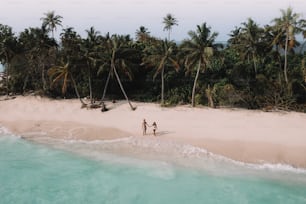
x=106 y=85
x=286 y=50
x=254 y=63
x=162 y=86
x=25 y=83
x=209 y=95
x=76 y=90
x=90 y=90
x=89 y=84
x=7 y=80
x=43 y=75
x=279 y=60
x=194 y=85
x=304 y=69
x=121 y=87
x=7 y=74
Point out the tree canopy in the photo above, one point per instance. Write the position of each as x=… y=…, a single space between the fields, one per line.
x=259 y=66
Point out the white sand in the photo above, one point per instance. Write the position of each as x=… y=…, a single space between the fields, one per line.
x=250 y=136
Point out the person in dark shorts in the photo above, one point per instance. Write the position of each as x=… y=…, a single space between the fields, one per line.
x=144 y=127
x=154 y=125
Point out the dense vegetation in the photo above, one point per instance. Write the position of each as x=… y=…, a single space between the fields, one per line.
x=259 y=67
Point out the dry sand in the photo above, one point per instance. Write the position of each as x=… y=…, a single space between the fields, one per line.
x=243 y=135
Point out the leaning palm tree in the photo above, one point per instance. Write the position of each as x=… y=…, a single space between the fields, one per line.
x=289 y=24
x=198 y=51
x=115 y=56
x=162 y=55
x=51 y=21
x=63 y=73
x=169 y=22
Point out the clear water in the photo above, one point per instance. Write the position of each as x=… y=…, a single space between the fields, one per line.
x=36 y=173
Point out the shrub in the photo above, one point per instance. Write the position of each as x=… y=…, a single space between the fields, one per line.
x=225 y=94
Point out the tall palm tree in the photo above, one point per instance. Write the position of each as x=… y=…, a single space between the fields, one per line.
x=276 y=43
x=198 y=50
x=39 y=51
x=71 y=41
x=63 y=73
x=51 y=21
x=248 y=42
x=92 y=35
x=71 y=48
x=7 y=49
x=115 y=56
x=142 y=34
x=162 y=56
x=289 y=24
x=303 y=22
x=90 y=47
x=169 y=22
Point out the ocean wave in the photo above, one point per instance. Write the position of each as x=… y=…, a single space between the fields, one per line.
x=278 y=167
x=158 y=148
x=71 y=141
x=4 y=130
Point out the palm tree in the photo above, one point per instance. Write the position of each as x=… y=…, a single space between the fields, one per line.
x=71 y=41
x=142 y=34
x=248 y=42
x=63 y=73
x=39 y=51
x=92 y=35
x=303 y=22
x=115 y=56
x=276 y=43
x=289 y=24
x=162 y=55
x=198 y=49
x=90 y=47
x=51 y=21
x=7 y=49
x=169 y=22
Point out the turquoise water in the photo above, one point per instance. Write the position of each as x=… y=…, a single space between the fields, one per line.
x=35 y=173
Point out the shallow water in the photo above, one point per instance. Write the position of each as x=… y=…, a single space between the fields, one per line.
x=77 y=172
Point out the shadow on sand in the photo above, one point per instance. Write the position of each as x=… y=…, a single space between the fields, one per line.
x=159 y=133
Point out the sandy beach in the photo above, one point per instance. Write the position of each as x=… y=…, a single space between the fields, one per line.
x=242 y=135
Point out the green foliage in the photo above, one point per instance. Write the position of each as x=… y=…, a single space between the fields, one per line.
x=178 y=95
x=200 y=99
x=260 y=67
x=225 y=94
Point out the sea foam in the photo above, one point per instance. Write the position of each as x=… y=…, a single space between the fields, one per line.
x=4 y=130
x=155 y=149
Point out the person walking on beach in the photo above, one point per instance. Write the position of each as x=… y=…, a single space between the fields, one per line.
x=154 y=125
x=144 y=127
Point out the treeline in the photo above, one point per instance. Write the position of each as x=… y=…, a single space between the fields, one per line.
x=259 y=67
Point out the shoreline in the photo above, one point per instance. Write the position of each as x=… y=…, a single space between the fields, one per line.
x=241 y=135
x=128 y=150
